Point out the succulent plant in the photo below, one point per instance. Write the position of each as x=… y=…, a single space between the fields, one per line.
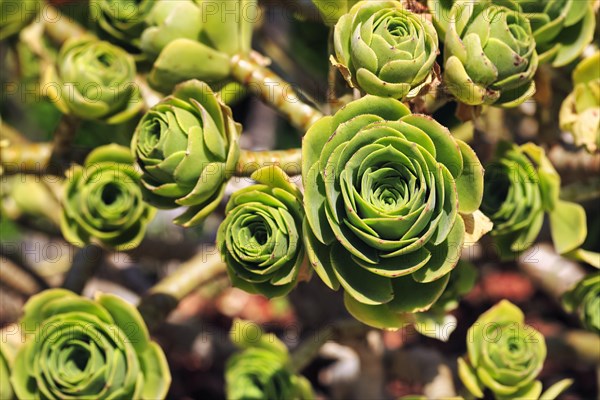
x=187 y=147
x=383 y=191
x=521 y=185
x=262 y=370
x=505 y=356
x=80 y=348
x=580 y=111
x=180 y=33
x=332 y=10
x=385 y=50
x=562 y=28
x=584 y=299
x=94 y=80
x=121 y=20
x=16 y=14
x=103 y=203
x=261 y=237
x=489 y=53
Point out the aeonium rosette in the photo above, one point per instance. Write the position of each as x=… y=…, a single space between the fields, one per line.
x=187 y=147
x=521 y=186
x=584 y=299
x=80 y=348
x=383 y=191
x=262 y=369
x=16 y=15
x=123 y=21
x=384 y=49
x=561 y=28
x=261 y=237
x=489 y=53
x=505 y=356
x=103 y=203
x=94 y=80
x=580 y=110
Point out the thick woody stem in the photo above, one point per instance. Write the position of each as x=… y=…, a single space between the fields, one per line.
x=163 y=298
x=274 y=91
x=64 y=135
x=288 y=160
x=85 y=264
x=309 y=348
x=20 y=277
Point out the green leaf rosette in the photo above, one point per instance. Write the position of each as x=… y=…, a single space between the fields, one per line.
x=94 y=80
x=122 y=21
x=332 y=10
x=489 y=53
x=103 y=202
x=262 y=370
x=196 y=39
x=17 y=14
x=385 y=50
x=505 y=356
x=584 y=299
x=561 y=28
x=261 y=237
x=580 y=111
x=187 y=147
x=383 y=191
x=521 y=185
x=80 y=348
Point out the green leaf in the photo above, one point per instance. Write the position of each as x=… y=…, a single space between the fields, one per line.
x=469 y=184
x=555 y=390
x=469 y=378
x=568 y=226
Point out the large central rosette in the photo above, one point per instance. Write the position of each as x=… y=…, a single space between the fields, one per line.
x=383 y=189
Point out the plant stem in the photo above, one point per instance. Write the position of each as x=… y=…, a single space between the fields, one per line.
x=85 y=263
x=17 y=279
x=274 y=91
x=580 y=162
x=163 y=298
x=551 y=272
x=309 y=348
x=288 y=160
x=18 y=275
x=64 y=135
x=31 y=158
x=59 y=27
